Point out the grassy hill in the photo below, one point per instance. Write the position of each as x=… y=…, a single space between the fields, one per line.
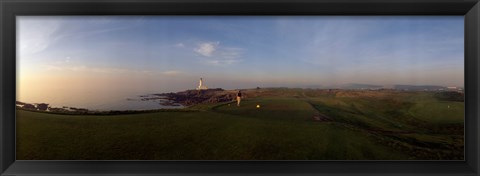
x=291 y=124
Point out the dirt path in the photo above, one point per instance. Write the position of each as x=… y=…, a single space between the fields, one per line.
x=321 y=117
x=317 y=116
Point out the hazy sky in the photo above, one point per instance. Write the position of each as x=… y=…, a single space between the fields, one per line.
x=170 y=53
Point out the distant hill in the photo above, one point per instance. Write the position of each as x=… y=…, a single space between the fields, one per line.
x=313 y=86
x=418 y=87
x=359 y=86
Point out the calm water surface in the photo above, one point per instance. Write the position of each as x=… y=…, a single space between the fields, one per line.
x=104 y=102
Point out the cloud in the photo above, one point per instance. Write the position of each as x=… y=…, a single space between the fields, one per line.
x=207 y=48
x=222 y=62
x=214 y=54
x=180 y=45
x=230 y=53
x=172 y=72
x=83 y=68
x=226 y=56
x=88 y=33
x=35 y=35
x=67 y=67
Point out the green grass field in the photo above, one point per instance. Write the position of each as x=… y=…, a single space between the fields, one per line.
x=361 y=125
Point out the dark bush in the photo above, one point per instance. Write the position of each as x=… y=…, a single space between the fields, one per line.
x=42 y=106
x=450 y=96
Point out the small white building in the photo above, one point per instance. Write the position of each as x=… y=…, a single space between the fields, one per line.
x=201 y=86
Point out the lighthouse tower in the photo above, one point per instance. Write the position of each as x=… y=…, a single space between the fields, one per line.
x=201 y=86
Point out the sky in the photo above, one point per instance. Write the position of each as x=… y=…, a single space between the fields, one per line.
x=112 y=55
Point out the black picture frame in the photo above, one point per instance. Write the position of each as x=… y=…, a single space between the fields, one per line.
x=9 y=9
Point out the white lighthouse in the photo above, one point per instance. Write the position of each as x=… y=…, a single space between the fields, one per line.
x=201 y=86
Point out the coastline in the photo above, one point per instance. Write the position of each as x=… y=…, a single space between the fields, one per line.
x=173 y=102
x=183 y=101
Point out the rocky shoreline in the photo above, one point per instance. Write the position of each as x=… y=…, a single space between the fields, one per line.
x=82 y=111
x=44 y=107
x=193 y=97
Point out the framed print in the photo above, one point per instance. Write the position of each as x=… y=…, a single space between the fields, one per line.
x=240 y=88
x=254 y=87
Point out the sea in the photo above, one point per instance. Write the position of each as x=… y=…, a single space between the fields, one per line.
x=142 y=102
x=108 y=103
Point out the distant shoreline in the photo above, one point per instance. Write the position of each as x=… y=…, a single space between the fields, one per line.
x=110 y=112
x=190 y=98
